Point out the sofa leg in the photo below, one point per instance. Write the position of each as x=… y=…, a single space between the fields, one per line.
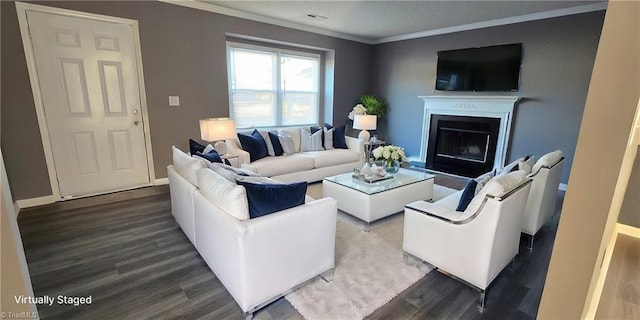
x=409 y=259
x=482 y=298
x=367 y=226
x=248 y=315
x=405 y=258
x=328 y=275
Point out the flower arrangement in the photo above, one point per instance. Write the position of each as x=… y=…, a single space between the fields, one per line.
x=357 y=110
x=389 y=154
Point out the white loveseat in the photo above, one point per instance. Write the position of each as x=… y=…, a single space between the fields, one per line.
x=474 y=245
x=257 y=260
x=307 y=166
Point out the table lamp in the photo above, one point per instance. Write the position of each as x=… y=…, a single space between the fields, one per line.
x=218 y=130
x=365 y=122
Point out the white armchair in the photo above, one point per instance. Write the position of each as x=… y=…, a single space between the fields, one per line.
x=261 y=259
x=474 y=245
x=543 y=195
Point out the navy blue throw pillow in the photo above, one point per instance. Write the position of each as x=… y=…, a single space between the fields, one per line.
x=269 y=198
x=254 y=144
x=212 y=156
x=275 y=142
x=195 y=147
x=338 y=138
x=467 y=195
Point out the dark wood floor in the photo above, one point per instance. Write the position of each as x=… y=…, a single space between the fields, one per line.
x=620 y=297
x=126 y=251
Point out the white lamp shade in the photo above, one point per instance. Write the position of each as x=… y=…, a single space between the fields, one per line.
x=365 y=122
x=216 y=129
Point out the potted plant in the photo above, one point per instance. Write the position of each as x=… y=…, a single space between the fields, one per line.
x=374 y=105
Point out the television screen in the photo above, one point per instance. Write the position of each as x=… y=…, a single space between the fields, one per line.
x=495 y=68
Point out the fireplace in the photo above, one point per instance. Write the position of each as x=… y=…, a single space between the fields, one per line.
x=462 y=145
x=465 y=135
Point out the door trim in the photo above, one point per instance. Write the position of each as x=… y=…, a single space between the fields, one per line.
x=22 y=9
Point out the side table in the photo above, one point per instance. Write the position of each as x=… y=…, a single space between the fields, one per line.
x=369 y=146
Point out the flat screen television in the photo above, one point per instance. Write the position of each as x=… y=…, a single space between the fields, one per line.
x=494 y=68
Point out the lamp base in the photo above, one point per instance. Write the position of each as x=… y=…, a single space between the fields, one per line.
x=364 y=135
x=221 y=147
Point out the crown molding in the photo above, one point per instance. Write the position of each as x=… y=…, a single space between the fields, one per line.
x=194 y=4
x=497 y=22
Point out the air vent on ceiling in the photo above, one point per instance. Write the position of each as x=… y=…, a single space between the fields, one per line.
x=316 y=16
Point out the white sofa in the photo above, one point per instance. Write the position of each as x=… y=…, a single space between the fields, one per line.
x=307 y=166
x=474 y=245
x=257 y=260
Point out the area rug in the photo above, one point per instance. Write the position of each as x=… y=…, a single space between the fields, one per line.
x=369 y=270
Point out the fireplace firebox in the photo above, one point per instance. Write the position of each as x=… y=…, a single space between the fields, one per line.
x=462 y=145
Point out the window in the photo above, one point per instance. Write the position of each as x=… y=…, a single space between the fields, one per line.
x=272 y=87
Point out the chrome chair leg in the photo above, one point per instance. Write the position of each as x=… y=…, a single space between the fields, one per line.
x=530 y=247
x=482 y=298
x=328 y=275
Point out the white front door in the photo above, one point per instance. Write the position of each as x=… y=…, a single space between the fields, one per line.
x=88 y=76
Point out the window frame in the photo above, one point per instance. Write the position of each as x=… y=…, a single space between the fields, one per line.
x=279 y=91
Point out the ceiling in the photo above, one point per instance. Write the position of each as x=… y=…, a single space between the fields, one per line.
x=372 y=21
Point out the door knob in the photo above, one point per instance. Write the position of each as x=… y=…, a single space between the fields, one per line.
x=136 y=122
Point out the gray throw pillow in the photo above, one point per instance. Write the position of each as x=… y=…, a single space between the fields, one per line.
x=309 y=141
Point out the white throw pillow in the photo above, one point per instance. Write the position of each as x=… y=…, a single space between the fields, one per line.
x=496 y=187
x=267 y=141
x=187 y=165
x=230 y=173
x=288 y=146
x=294 y=133
x=208 y=149
x=547 y=160
x=510 y=167
x=257 y=180
x=328 y=138
x=309 y=141
x=226 y=195
x=525 y=166
x=482 y=180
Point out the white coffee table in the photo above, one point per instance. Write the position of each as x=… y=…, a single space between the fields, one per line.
x=373 y=201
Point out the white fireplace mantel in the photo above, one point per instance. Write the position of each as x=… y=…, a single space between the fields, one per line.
x=471 y=106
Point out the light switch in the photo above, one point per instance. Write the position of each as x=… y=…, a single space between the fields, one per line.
x=174 y=101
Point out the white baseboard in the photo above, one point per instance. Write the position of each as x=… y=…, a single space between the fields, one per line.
x=628 y=230
x=34 y=202
x=161 y=181
x=39 y=201
x=562 y=187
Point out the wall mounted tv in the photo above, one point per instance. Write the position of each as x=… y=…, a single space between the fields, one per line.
x=494 y=68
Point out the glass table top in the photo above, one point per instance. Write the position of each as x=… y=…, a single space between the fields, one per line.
x=402 y=178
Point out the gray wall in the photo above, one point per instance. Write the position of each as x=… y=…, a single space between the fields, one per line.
x=630 y=211
x=183 y=53
x=558 y=56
